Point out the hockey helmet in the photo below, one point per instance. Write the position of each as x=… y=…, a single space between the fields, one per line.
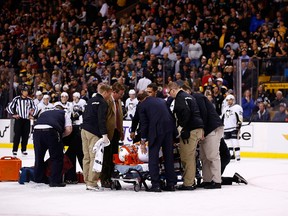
x=124 y=151
x=230 y=97
x=76 y=94
x=64 y=94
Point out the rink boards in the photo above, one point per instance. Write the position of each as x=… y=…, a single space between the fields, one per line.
x=264 y=140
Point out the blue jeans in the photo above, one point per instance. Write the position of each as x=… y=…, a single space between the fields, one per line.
x=195 y=63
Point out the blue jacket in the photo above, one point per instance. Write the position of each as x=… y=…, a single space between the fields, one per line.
x=279 y=117
x=248 y=108
x=265 y=117
x=255 y=23
x=54 y=118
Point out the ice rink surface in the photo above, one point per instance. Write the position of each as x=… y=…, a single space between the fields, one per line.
x=265 y=195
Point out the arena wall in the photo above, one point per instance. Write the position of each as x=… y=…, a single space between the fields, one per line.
x=259 y=140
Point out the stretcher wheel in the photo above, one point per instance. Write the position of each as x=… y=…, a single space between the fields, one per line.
x=113 y=185
x=137 y=187
x=116 y=185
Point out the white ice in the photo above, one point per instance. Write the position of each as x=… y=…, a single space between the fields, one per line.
x=265 y=195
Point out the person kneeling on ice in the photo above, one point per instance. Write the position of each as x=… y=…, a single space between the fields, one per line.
x=225 y=160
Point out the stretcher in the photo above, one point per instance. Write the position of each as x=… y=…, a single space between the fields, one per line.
x=133 y=171
x=134 y=174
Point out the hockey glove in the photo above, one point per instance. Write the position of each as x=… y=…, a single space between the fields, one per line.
x=239 y=124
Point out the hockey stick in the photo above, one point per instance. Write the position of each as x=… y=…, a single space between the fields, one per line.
x=250 y=120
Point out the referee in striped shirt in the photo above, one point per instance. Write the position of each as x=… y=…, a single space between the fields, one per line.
x=22 y=108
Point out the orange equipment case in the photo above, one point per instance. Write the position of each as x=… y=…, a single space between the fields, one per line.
x=9 y=168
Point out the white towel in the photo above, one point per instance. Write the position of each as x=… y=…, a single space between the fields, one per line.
x=98 y=149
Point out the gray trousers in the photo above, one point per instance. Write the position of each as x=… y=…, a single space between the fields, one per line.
x=210 y=157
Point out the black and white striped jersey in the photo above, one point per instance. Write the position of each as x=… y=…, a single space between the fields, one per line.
x=22 y=107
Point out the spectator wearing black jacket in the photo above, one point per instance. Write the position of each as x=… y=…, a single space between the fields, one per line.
x=189 y=119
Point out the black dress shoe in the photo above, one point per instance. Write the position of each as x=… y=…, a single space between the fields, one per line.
x=71 y=182
x=106 y=184
x=169 y=188
x=154 y=189
x=213 y=185
x=57 y=184
x=203 y=184
x=183 y=187
x=239 y=179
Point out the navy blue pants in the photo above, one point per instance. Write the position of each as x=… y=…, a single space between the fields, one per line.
x=74 y=151
x=166 y=142
x=225 y=160
x=50 y=140
x=224 y=155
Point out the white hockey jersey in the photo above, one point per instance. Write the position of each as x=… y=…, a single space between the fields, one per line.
x=78 y=107
x=43 y=107
x=67 y=106
x=98 y=149
x=36 y=101
x=223 y=106
x=232 y=114
x=130 y=106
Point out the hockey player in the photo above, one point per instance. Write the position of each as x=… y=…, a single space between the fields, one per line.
x=74 y=141
x=44 y=105
x=78 y=105
x=38 y=99
x=232 y=119
x=130 y=104
x=64 y=102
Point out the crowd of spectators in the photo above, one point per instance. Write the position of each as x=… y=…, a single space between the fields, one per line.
x=71 y=46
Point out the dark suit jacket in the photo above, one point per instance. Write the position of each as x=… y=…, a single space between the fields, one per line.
x=155 y=119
